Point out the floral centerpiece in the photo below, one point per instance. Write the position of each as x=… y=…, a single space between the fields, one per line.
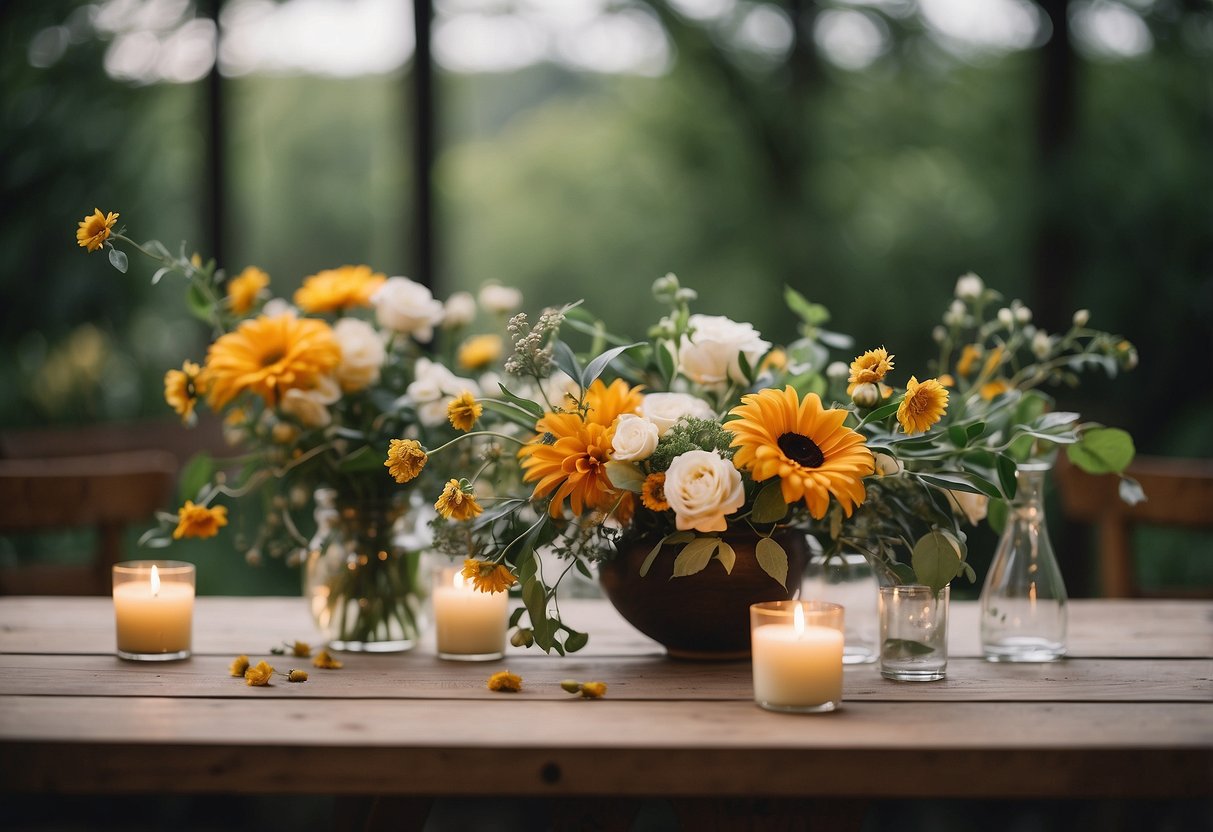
x=312 y=390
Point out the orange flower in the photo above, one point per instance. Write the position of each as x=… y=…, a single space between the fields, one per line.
x=505 y=682
x=94 y=230
x=258 y=676
x=405 y=459
x=994 y=388
x=871 y=367
x=605 y=404
x=652 y=493
x=463 y=411
x=242 y=290
x=199 y=521
x=969 y=354
x=181 y=390
x=335 y=289
x=488 y=577
x=269 y=356
x=325 y=661
x=457 y=501
x=573 y=466
x=924 y=405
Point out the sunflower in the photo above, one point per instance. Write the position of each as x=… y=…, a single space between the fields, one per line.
x=871 y=367
x=605 y=404
x=479 y=352
x=573 y=465
x=652 y=493
x=488 y=577
x=269 y=356
x=242 y=290
x=199 y=521
x=335 y=289
x=803 y=444
x=405 y=459
x=94 y=230
x=463 y=411
x=924 y=405
x=457 y=501
x=181 y=390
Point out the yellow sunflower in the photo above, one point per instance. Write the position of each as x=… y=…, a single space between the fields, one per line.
x=652 y=492
x=478 y=352
x=924 y=405
x=269 y=356
x=604 y=404
x=94 y=230
x=334 y=289
x=488 y=577
x=871 y=367
x=463 y=411
x=573 y=466
x=243 y=289
x=457 y=501
x=181 y=390
x=804 y=445
x=199 y=521
x=405 y=459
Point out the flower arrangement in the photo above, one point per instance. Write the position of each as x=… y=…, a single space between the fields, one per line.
x=313 y=391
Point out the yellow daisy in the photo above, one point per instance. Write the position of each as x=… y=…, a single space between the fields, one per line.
x=199 y=521
x=268 y=356
x=182 y=389
x=604 y=404
x=871 y=367
x=405 y=459
x=488 y=577
x=652 y=492
x=94 y=230
x=478 y=352
x=804 y=445
x=924 y=405
x=463 y=411
x=457 y=501
x=243 y=289
x=572 y=466
x=335 y=289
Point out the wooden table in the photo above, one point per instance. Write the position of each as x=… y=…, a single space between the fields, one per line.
x=1128 y=714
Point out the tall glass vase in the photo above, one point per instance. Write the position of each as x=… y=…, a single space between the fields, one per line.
x=364 y=579
x=1023 y=602
x=847 y=579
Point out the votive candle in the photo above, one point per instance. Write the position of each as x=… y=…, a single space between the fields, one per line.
x=469 y=625
x=797 y=655
x=154 y=609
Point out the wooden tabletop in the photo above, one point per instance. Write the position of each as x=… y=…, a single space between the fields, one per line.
x=1127 y=714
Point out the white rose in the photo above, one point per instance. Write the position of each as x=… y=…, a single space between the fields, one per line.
x=434 y=387
x=500 y=299
x=635 y=438
x=969 y=286
x=311 y=407
x=664 y=409
x=460 y=310
x=710 y=355
x=702 y=487
x=362 y=354
x=972 y=506
x=405 y=306
x=277 y=307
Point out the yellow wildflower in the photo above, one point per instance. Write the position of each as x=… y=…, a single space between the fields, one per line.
x=284 y=433
x=946 y=380
x=478 y=352
x=269 y=356
x=969 y=354
x=239 y=665
x=335 y=289
x=259 y=675
x=776 y=359
x=243 y=289
x=94 y=230
x=297 y=676
x=488 y=577
x=199 y=521
x=505 y=682
x=993 y=360
x=182 y=389
x=994 y=388
x=652 y=493
x=871 y=367
x=325 y=661
x=405 y=459
x=593 y=690
x=463 y=411
x=301 y=649
x=924 y=405
x=457 y=501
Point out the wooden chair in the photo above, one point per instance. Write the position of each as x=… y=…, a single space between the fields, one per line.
x=1179 y=492
x=109 y=492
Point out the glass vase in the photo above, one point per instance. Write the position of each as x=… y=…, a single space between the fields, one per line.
x=364 y=579
x=913 y=633
x=848 y=580
x=1023 y=601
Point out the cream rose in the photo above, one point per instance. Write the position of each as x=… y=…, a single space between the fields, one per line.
x=702 y=488
x=500 y=299
x=635 y=438
x=972 y=506
x=311 y=407
x=460 y=310
x=710 y=355
x=362 y=354
x=405 y=306
x=664 y=409
x=433 y=388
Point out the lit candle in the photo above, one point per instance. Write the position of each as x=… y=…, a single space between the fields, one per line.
x=469 y=625
x=154 y=609
x=797 y=665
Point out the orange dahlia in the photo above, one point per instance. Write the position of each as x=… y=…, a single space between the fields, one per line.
x=604 y=404
x=335 y=289
x=572 y=466
x=269 y=356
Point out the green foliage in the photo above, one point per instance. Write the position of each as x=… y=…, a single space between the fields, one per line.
x=690 y=434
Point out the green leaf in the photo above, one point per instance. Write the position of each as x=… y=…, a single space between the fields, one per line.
x=813 y=314
x=726 y=556
x=526 y=404
x=510 y=412
x=160 y=272
x=196 y=300
x=904 y=573
x=1102 y=451
x=535 y=599
x=576 y=641
x=901 y=648
x=1055 y=420
x=695 y=556
x=665 y=361
x=958 y=436
x=625 y=475
x=118 y=260
x=881 y=413
x=961 y=482
x=595 y=368
x=974 y=430
x=1131 y=491
x=936 y=559
x=198 y=472
x=1006 y=476
x=650 y=557
x=566 y=360
x=157 y=248
x=773 y=560
x=582 y=568
x=516 y=616
x=996 y=515
x=769 y=506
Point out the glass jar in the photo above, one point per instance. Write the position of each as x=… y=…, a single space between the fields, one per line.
x=913 y=633
x=848 y=580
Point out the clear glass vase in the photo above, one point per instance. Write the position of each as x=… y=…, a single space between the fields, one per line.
x=914 y=633
x=364 y=579
x=848 y=580
x=1023 y=602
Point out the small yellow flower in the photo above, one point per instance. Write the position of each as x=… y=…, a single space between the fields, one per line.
x=946 y=380
x=239 y=665
x=297 y=676
x=199 y=521
x=652 y=493
x=335 y=289
x=871 y=367
x=94 y=230
x=301 y=649
x=776 y=359
x=457 y=501
x=259 y=675
x=969 y=354
x=463 y=411
x=405 y=459
x=924 y=405
x=284 y=433
x=994 y=388
x=325 y=661
x=243 y=289
x=505 y=682
x=488 y=577
x=478 y=352
x=593 y=690
x=993 y=360
x=182 y=389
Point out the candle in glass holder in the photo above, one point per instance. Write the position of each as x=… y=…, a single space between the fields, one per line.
x=469 y=624
x=797 y=655
x=154 y=609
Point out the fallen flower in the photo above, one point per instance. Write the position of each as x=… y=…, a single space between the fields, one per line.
x=239 y=665
x=505 y=682
x=297 y=676
x=325 y=660
x=259 y=675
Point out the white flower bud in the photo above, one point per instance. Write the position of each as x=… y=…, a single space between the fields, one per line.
x=969 y=286
x=938 y=334
x=1081 y=317
x=1023 y=314
x=1006 y=317
x=500 y=299
x=1042 y=344
x=956 y=315
x=865 y=395
x=838 y=370
x=459 y=310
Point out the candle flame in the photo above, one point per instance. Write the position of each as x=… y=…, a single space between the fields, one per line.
x=798 y=620
x=155 y=581
x=458 y=581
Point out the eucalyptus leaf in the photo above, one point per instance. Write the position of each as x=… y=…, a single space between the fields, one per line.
x=726 y=556
x=650 y=557
x=1006 y=475
x=769 y=505
x=575 y=641
x=566 y=360
x=511 y=413
x=625 y=475
x=526 y=405
x=936 y=560
x=773 y=560
x=1102 y=451
x=695 y=556
x=596 y=366
x=118 y=260
x=902 y=648
x=160 y=272
x=157 y=248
